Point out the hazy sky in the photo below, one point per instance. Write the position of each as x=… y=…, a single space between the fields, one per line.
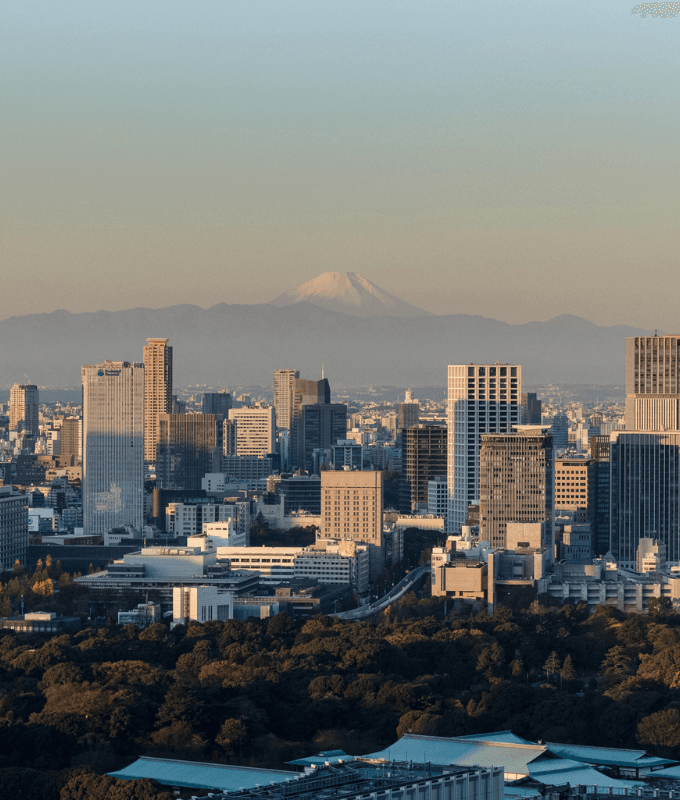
x=514 y=158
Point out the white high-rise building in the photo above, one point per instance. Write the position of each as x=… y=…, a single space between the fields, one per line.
x=653 y=383
x=483 y=398
x=113 y=446
x=255 y=430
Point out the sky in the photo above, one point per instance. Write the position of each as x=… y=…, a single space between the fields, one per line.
x=516 y=159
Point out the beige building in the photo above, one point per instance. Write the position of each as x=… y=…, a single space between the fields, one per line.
x=255 y=430
x=284 y=391
x=352 y=508
x=516 y=482
x=572 y=476
x=23 y=409
x=157 y=391
x=652 y=383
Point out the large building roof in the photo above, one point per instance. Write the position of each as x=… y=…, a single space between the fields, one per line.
x=202 y=775
x=609 y=756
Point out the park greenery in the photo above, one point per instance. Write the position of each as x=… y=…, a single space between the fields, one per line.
x=262 y=692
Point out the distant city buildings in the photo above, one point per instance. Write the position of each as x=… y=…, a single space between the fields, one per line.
x=255 y=430
x=186 y=450
x=23 y=409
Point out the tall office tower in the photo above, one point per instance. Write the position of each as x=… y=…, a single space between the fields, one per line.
x=599 y=481
x=305 y=393
x=560 y=432
x=352 y=508
x=284 y=390
x=516 y=482
x=323 y=424
x=531 y=409
x=71 y=453
x=157 y=391
x=217 y=403
x=186 y=450
x=113 y=446
x=652 y=383
x=255 y=430
x=645 y=493
x=482 y=399
x=229 y=437
x=23 y=409
x=408 y=415
x=13 y=528
x=423 y=458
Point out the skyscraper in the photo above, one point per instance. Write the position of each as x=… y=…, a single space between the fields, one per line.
x=23 y=409
x=305 y=392
x=531 y=409
x=423 y=456
x=408 y=415
x=157 y=391
x=481 y=399
x=323 y=424
x=645 y=493
x=113 y=446
x=516 y=482
x=284 y=389
x=71 y=452
x=652 y=383
x=186 y=450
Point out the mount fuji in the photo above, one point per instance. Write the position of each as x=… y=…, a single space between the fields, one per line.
x=350 y=294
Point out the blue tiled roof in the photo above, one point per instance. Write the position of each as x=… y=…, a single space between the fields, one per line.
x=201 y=775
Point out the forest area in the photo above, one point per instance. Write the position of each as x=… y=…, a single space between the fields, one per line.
x=264 y=692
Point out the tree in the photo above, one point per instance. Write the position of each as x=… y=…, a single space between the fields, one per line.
x=568 y=673
x=552 y=664
x=233 y=734
x=5 y=605
x=661 y=731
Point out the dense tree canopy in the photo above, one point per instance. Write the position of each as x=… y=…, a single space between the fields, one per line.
x=267 y=691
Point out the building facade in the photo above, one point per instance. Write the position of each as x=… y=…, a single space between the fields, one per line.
x=186 y=450
x=482 y=398
x=24 y=409
x=645 y=493
x=322 y=425
x=157 y=391
x=516 y=482
x=284 y=391
x=255 y=430
x=13 y=528
x=113 y=446
x=652 y=383
x=217 y=403
x=423 y=457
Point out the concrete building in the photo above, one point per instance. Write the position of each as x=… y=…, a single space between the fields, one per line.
x=423 y=458
x=245 y=468
x=573 y=487
x=320 y=426
x=13 y=528
x=438 y=497
x=598 y=494
x=560 y=432
x=347 y=453
x=645 y=493
x=481 y=399
x=255 y=430
x=186 y=450
x=157 y=391
x=284 y=391
x=113 y=447
x=217 y=403
x=71 y=442
x=24 y=409
x=652 y=383
x=144 y=615
x=352 y=508
x=201 y=604
x=190 y=519
x=408 y=415
x=531 y=409
x=516 y=482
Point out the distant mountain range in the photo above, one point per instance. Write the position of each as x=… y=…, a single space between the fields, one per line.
x=238 y=345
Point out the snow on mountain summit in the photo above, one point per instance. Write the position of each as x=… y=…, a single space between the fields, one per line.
x=351 y=294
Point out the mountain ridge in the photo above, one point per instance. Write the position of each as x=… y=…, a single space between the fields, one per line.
x=240 y=344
